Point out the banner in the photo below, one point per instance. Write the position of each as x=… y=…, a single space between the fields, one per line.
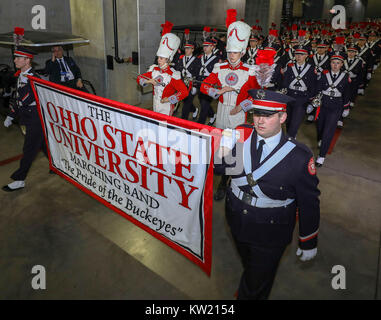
x=150 y=168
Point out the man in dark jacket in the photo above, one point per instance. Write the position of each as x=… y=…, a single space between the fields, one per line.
x=63 y=70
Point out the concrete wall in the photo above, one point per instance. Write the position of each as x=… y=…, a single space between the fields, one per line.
x=275 y=13
x=313 y=10
x=18 y=13
x=355 y=10
x=258 y=10
x=120 y=83
x=373 y=9
x=328 y=4
x=87 y=21
x=151 y=16
x=209 y=12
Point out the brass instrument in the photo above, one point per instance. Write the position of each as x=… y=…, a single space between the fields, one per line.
x=316 y=101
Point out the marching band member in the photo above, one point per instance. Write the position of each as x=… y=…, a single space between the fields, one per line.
x=189 y=67
x=233 y=79
x=168 y=86
x=334 y=86
x=300 y=81
x=273 y=176
x=26 y=111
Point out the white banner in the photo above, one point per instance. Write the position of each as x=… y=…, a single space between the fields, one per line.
x=152 y=172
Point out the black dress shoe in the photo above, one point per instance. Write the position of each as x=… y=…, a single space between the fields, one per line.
x=7 y=189
x=317 y=164
x=220 y=194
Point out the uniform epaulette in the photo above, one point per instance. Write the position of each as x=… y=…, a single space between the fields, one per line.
x=182 y=56
x=291 y=64
x=325 y=71
x=152 y=67
x=249 y=66
x=176 y=74
x=199 y=56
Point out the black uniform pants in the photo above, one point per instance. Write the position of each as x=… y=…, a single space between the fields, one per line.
x=326 y=127
x=33 y=142
x=206 y=109
x=260 y=266
x=295 y=114
x=187 y=106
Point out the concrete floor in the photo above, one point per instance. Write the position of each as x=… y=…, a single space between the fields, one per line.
x=90 y=252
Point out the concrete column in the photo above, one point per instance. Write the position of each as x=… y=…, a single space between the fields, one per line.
x=328 y=4
x=87 y=21
x=275 y=13
x=121 y=85
x=151 y=14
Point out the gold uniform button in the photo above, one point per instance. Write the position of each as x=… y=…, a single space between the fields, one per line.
x=272 y=221
x=281 y=188
x=244 y=211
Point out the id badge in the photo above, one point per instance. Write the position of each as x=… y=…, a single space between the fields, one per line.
x=64 y=77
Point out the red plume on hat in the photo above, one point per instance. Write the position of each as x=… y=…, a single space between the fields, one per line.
x=273 y=32
x=356 y=35
x=231 y=16
x=18 y=35
x=207 y=29
x=316 y=31
x=294 y=27
x=186 y=34
x=324 y=32
x=265 y=56
x=339 y=40
x=302 y=33
x=257 y=21
x=19 y=31
x=167 y=27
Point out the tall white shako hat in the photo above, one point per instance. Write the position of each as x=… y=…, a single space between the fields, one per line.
x=169 y=43
x=238 y=34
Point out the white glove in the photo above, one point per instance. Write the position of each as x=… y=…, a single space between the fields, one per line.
x=360 y=91
x=8 y=121
x=310 y=108
x=345 y=113
x=306 y=255
x=194 y=91
x=368 y=76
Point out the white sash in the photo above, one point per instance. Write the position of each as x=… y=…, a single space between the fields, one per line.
x=298 y=78
x=203 y=70
x=185 y=71
x=319 y=64
x=333 y=91
x=349 y=68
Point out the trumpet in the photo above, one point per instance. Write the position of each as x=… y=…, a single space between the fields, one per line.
x=316 y=101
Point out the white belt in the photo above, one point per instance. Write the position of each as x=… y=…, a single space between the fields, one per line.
x=259 y=202
x=329 y=93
